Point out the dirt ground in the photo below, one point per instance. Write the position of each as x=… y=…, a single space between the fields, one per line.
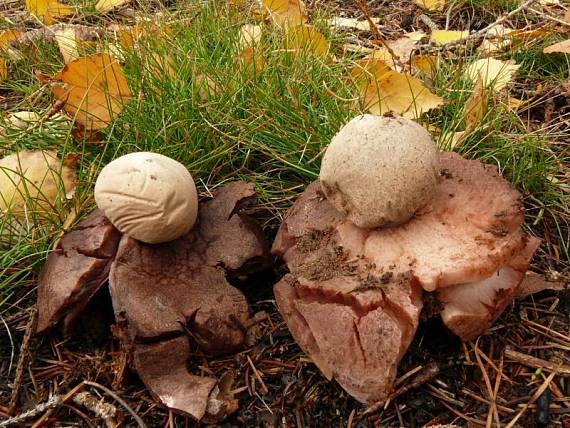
x=440 y=380
x=277 y=385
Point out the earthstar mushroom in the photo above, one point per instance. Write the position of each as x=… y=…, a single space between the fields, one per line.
x=168 y=297
x=353 y=297
x=379 y=170
x=148 y=196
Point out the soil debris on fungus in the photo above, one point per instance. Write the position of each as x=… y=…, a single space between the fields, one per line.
x=378 y=170
x=449 y=245
x=168 y=295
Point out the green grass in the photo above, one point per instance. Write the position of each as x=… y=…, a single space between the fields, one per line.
x=541 y=67
x=269 y=127
x=492 y=6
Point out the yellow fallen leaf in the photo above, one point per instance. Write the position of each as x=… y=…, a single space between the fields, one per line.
x=206 y=86
x=457 y=138
x=22 y=119
x=500 y=37
x=252 y=59
x=94 y=90
x=402 y=49
x=48 y=10
x=145 y=32
x=14 y=122
x=6 y=50
x=496 y=39
x=306 y=38
x=473 y=112
x=475 y=106
x=6 y=36
x=404 y=46
x=126 y=35
x=381 y=54
x=566 y=17
x=402 y=94
x=427 y=64
x=416 y=36
x=529 y=34
x=383 y=90
x=32 y=183
x=65 y=38
x=105 y=6
x=368 y=70
x=286 y=13
x=495 y=73
x=352 y=23
x=562 y=47
x=431 y=4
x=115 y=50
x=3 y=70
x=441 y=37
x=514 y=103
x=249 y=35
x=161 y=65
x=354 y=48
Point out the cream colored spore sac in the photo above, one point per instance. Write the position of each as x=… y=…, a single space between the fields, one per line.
x=148 y=196
x=379 y=170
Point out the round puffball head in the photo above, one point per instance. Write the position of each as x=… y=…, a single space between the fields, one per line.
x=379 y=170
x=148 y=196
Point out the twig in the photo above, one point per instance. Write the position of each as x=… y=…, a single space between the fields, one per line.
x=428 y=22
x=493 y=407
x=407 y=375
x=548 y=332
x=534 y=362
x=82 y=32
x=82 y=415
x=21 y=362
x=430 y=371
x=54 y=401
x=258 y=376
x=350 y=418
x=549 y=17
x=41 y=421
x=496 y=390
x=534 y=397
x=119 y=400
x=501 y=408
x=502 y=19
x=445 y=396
x=102 y=409
x=448 y=15
x=494 y=367
x=462 y=415
x=363 y=6
x=483 y=32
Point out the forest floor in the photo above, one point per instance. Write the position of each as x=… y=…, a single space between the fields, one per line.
x=269 y=123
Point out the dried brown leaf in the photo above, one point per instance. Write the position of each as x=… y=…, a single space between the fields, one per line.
x=383 y=90
x=562 y=47
x=94 y=90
